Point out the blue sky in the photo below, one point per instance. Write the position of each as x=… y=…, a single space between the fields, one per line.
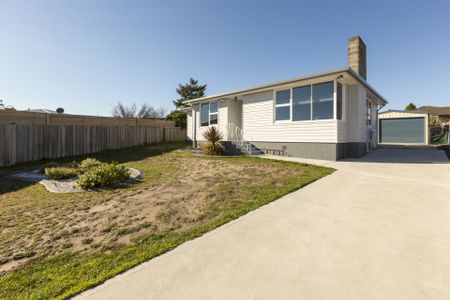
x=86 y=56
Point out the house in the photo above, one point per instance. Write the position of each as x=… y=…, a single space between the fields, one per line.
x=401 y=127
x=329 y=115
x=443 y=112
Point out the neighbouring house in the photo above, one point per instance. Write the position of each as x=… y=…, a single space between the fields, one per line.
x=399 y=127
x=442 y=112
x=329 y=115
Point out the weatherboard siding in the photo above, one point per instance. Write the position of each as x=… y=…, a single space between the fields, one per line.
x=259 y=125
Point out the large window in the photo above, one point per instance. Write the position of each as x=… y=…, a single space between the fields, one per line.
x=311 y=102
x=208 y=114
x=323 y=101
x=301 y=103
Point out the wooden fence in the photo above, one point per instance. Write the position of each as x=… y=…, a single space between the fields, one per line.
x=33 y=118
x=22 y=143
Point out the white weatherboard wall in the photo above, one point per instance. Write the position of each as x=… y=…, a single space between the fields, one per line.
x=189 y=125
x=357 y=129
x=258 y=124
x=235 y=112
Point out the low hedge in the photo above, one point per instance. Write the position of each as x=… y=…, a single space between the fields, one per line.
x=103 y=175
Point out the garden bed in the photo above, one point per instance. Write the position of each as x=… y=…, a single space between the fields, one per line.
x=68 y=185
x=55 y=245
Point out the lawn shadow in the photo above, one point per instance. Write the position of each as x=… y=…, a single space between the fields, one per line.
x=124 y=155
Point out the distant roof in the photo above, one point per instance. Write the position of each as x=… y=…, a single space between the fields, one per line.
x=403 y=111
x=42 y=110
x=274 y=84
x=436 y=110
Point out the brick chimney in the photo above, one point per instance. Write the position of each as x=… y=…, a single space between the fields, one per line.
x=357 y=55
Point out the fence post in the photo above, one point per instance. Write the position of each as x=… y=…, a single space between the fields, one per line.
x=163 y=134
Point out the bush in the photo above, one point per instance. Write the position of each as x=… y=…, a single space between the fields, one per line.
x=51 y=164
x=60 y=172
x=87 y=164
x=103 y=175
x=213 y=145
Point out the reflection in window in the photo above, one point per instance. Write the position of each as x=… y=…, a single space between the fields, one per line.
x=322 y=101
x=283 y=105
x=209 y=114
x=301 y=103
x=204 y=114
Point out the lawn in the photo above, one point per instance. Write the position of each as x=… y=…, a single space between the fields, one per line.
x=56 y=245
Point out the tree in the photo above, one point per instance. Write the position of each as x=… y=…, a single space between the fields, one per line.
x=411 y=106
x=5 y=107
x=179 y=117
x=146 y=111
x=188 y=91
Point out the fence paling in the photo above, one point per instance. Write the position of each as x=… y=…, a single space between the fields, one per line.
x=22 y=143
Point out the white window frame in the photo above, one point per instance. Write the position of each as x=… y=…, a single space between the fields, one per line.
x=209 y=113
x=275 y=105
x=369 y=104
x=290 y=104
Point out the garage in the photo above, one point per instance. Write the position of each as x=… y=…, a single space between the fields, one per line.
x=404 y=128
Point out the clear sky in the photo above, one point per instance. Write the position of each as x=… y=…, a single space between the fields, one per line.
x=86 y=55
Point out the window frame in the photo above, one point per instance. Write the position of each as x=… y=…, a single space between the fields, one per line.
x=290 y=104
x=209 y=113
x=369 y=114
x=282 y=105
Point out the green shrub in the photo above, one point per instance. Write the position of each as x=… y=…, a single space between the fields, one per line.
x=103 y=175
x=60 y=172
x=87 y=164
x=213 y=145
x=50 y=164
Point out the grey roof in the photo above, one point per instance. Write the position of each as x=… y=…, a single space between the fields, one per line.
x=274 y=84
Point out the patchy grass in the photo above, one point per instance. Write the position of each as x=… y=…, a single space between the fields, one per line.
x=56 y=245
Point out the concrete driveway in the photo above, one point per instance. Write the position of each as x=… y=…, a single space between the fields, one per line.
x=378 y=228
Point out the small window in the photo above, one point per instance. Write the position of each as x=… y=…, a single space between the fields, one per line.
x=283 y=105
x=369 y=114
x=213 y=107
x=339 y=101
x=209 y=114
x=323 y=101
x=283 y=97
x=301 y=103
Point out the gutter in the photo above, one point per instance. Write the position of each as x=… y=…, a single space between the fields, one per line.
x=274 y=84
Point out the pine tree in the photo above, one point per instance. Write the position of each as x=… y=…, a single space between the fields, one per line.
x=411 y=106
x=188 y=91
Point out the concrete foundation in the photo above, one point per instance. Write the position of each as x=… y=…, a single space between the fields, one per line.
x=324 y=151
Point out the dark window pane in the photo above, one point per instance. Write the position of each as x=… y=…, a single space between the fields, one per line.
x=323 y=101
x=204 y=114
x=213 y=107
x=213 y=119
x=282 y=97
x=282 y=113
x=301 y=100
x=339 y=101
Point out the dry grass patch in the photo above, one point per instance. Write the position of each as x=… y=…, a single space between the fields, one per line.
x=181 y=196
